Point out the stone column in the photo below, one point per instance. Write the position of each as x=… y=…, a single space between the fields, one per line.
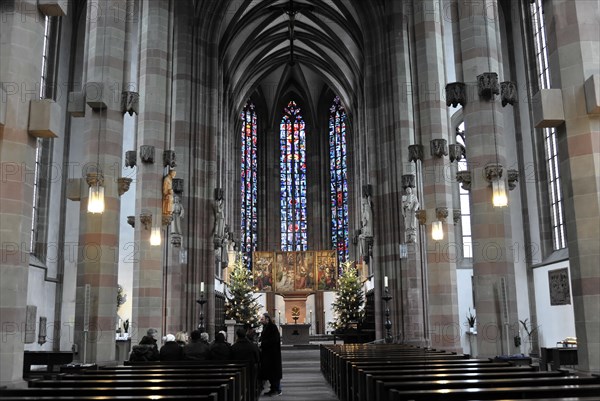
x=22 y=27
x=154 y=74
x=493 y=268
x=573 y=48
x=408 y=316
x=437 y=190
x=97 y=267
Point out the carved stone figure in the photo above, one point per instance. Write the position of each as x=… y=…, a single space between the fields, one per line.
x=366 y=230
x=219 y=220
x=167 y=206
x=178 y=214
x=410 y=205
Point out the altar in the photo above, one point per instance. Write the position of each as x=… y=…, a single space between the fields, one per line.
x=293 y=334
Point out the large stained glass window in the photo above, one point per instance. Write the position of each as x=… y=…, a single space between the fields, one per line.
x=339 y=184
x=292 y=139
x=248 y=183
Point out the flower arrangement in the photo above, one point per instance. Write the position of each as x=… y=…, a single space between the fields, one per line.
x=471 y=319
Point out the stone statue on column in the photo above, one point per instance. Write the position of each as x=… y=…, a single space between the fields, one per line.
x=410 y=205
x=219 y=221
x=178 y=214
x=167 y=190
x=365 y=238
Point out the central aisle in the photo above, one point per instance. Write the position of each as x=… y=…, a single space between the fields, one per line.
x=302 y=378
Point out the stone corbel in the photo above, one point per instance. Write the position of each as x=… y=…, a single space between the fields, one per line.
x=591 y=87
x=97 y=95
x=464 y=177
x=508 y=93
x=441 y=213
x=44 y=118
x=94 y=178
x=130 y=102
x=456 y=215
x=176 y=240
x=456 y=94
x=130 y=158
x=415 y=152
x=408 y=181
x=146 y=220
x=53 y=8
x=422 y=216
x=169 y=158
x=438 y=148
x=487 y=84
x=456 y=151
x=512 y=176
x=131 y=221
x=147 y=153
x=124 y=184
x=167 y=219
x=178 y=185
x=76 y=104
x=492 y=172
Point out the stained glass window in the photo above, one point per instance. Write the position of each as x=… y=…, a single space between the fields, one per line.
x=292 y=139
x=338 y=175
x=248 y=183
x=465 y=207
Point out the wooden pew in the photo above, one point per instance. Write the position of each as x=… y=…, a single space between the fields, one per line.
x=131 y=393
x=384 y=388
x=47 y=395
x=497 y=393
x=48 y=358
x=200 y=384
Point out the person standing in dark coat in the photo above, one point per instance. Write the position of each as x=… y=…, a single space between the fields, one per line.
x=270 y=363
x=219 y=349
x=171 y=351
x=196 y=350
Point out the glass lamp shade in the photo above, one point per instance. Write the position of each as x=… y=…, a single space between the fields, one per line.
x=96 y=199
x=499 y=198
x=155 y=236
x=437 y=230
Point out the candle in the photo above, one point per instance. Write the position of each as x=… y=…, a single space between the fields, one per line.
x=202 y=286
x=385 y=281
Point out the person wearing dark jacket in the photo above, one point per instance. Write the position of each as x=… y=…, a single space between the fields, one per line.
x=196 y=350
x=146 y=350
x=270 y=362
x=219 y=349
x=244 y=350
x=171 y=351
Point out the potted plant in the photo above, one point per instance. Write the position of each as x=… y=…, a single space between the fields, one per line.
x=471 y=321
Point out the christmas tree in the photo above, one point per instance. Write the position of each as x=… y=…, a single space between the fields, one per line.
x=241 y=303
x=350 y=298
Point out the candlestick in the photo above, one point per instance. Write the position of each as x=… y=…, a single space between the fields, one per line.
x=388 y=323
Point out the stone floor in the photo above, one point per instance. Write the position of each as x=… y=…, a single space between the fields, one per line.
x=302 y=378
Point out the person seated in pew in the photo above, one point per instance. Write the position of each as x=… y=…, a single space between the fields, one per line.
x=171 y=351
x=146 y=350
x=181 y=338
x=220 y=350
x=197 y=349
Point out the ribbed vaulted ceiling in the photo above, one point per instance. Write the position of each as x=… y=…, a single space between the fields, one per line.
x=255 y=51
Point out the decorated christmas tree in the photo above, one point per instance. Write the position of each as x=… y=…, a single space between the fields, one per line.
x=241 y=303
x=348 y=306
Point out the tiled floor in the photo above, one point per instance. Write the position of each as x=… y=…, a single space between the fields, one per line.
x=302 y=378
